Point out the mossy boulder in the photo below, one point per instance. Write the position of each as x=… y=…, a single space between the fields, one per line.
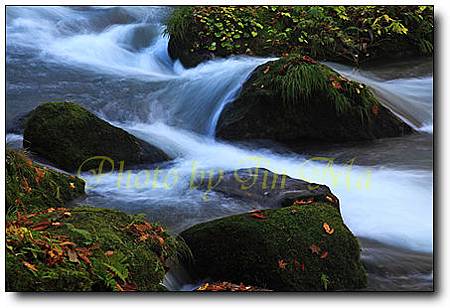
x=86 y=249
x=67 y=135
x=296 y=99
x=31 y=187
x=286 y=249
x=351 y=34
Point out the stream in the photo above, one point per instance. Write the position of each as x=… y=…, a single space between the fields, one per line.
x=114 y=61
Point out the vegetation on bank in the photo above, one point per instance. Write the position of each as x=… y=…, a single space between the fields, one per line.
x=296 y=248
x=352 y=34
x=33 y=187
x=50 y=247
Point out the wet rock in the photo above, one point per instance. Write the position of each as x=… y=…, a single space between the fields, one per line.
x=268 y=189
x=67 y=135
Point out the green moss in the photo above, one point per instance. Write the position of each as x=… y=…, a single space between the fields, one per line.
x=246 y=249
x=116 y=255
x=67 y=135
x=30 y=186
x=298 y=81
x=344 y=33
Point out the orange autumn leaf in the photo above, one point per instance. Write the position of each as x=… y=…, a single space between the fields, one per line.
x=303 y=201
x=327 y=228
x=337 y=85
x=39 y=175
x=109 y=253
x=30 y=266
x=330 y=199
x=25 y=186
x=71 y=185
x=282 y=264
x=324 y=255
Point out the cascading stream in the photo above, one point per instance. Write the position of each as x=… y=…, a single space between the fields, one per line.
x=115 y=62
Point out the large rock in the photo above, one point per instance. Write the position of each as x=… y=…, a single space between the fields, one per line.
x=296 y=99
x=67 y=134
x=285 y=249
x=268 y=189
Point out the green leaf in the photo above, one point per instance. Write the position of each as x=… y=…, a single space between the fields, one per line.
x=254 y=34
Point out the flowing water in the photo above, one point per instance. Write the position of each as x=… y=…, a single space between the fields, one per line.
x=114 y=61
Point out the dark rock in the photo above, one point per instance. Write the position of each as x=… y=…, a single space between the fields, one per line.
x=261 y=111
x=266 y=188
x=67 y=135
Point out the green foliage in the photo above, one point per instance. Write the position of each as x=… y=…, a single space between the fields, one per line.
x=348 y=33
x=297 y=81
x=30 y=186
x=114 y=259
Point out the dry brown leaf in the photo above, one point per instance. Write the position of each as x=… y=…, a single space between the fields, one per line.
x=282 y=264
x=314 y=249
x=30 y=266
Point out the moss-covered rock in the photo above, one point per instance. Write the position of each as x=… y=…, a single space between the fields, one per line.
x=86 y=249
x=67 y=135
x=286 y=249
x=297 y=99
x=351 y=34
x=31 y=187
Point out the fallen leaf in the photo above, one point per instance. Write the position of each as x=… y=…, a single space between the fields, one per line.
x=67 y=244
x=67 y=214
x=158 y=239
x=57 y=224
x=330 y=199
x=41 y=226
x=72 y=185
x=129 y=287
x=30 y=266
x=309 y=60
x=267 y=69
x=337 y=85
x=109 y=253
x=203 y=287
x=327 y=228
x=25 y=186
x=73 y=257
x=39 y=175
x=304 y=201
x=119 y=287
x=258 y=215
x=282 y=264
x=375 y=109
x=324 y=255
x=314 y=249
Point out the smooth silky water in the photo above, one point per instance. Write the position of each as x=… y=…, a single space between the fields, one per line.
x=114 y=61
